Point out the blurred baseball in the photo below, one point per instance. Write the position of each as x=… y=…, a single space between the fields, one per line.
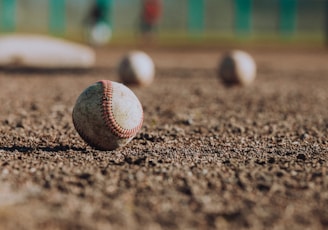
x=100 y=34
x=136 y=68
x=41 y=51
x=237 y=67
x=107 y=115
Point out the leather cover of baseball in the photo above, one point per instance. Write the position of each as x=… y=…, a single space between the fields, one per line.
x=107 y=115
x=237 y=68
x=136 y=68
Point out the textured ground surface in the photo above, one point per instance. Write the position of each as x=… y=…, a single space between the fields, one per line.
x=207 y=156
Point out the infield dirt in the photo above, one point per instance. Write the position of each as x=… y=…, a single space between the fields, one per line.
x=207 y=157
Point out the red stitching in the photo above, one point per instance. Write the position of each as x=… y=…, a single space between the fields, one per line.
x=108 y=116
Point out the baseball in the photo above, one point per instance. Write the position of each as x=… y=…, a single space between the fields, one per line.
x=136 y=68
x=100 y=34
x=237 y=67
x=107 y=115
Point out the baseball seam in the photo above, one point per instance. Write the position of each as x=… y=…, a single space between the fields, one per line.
x=108 y=115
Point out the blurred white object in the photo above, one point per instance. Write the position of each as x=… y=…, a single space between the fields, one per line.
x=100 y=34
x=40 y=51
x=136 y=68
x=237 y=67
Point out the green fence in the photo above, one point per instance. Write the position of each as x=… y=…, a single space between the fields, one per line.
x=234 y=19
x=8 y=15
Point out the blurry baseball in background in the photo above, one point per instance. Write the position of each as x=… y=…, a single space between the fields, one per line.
x=100 y=34
x=237 y=68
x=136 y=68
x=107 y=115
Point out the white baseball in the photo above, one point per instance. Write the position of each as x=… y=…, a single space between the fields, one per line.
x=107 y=115
x=237 y=67
x=100 y=34
x=136 y=68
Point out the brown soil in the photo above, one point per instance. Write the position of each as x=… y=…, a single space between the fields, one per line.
x=207 y=157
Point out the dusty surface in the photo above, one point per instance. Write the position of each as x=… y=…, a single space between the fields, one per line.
x=207 y=156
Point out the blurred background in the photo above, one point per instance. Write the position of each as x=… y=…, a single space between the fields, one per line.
x=182 y=22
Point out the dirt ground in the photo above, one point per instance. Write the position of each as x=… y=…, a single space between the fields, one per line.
x=207 y=157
